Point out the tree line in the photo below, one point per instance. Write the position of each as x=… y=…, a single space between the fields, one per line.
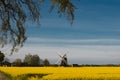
x=29 y=60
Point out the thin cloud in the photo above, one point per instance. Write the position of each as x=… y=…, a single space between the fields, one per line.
x=77 y=54
x=79 y=41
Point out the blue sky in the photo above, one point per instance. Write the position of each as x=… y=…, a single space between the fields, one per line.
x=94 y=37
x=94 y=19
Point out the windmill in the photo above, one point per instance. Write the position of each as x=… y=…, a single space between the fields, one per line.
x=63 y=61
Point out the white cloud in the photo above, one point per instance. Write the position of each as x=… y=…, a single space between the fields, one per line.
x=78 y=41
x=82 y=54
x=77 y=54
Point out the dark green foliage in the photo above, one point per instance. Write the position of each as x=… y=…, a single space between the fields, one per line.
x=13 y=15
x=26 y=76
x=1 y=56
x=17 y=62
x=35 y=60
x=28 y=59
x=64 y=7
x=46 y=62
x=32 y=60
x=22 y=77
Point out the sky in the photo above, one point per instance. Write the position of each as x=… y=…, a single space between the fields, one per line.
x=93 y=38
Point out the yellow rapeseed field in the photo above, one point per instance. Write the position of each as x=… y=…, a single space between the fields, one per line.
x=64 y=73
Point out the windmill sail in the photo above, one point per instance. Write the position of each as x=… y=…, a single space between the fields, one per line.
x=63 y=60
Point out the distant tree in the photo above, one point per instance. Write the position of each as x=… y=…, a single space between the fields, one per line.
x=46 y=62
x=1 y=57
x=32 y=60
x=35 y=60
x=28 y=59
x=17 y=62
x=15 y=13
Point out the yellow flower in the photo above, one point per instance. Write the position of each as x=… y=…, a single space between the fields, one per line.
x=53 y=73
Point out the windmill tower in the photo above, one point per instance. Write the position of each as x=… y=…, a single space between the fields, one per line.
x=63 y=61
